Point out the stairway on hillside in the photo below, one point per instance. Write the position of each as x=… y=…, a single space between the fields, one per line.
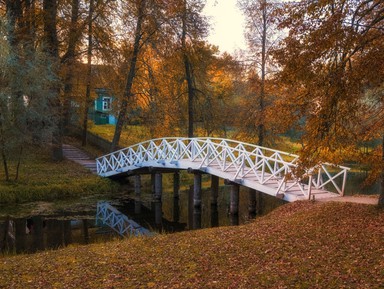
x=77 y=155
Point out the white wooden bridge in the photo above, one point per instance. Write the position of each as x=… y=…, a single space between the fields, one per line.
x=266 y=170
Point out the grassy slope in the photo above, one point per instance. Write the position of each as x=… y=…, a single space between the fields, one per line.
x=300 y=245
x=42 y=179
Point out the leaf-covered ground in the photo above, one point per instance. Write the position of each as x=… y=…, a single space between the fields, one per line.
x=299 y=245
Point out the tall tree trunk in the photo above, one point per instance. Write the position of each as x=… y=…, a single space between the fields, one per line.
x=130 y=77
x=3 y=153
x=261 y=125
x=69 y=62
x=52 y=48
x=14 y=13
x=381 y=197
x=30 y=22
x=18 y=163
x=89 y=75
x=188 y=74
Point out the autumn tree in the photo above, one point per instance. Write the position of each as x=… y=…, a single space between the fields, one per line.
x=325 y=60
x=187 y=26
x=139 y=12
x=216 y=78
x=68 y=60
x=51 y=47
x=261 y=35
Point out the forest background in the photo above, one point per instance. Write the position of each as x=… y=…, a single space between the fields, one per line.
x=313 y=71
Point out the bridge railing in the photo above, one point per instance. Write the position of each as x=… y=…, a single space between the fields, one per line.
x=241 y=160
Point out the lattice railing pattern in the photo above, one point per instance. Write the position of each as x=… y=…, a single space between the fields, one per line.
x=242 y=161
x=120 y=223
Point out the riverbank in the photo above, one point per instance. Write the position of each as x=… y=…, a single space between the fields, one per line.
x=299 y=245
x=40 y=179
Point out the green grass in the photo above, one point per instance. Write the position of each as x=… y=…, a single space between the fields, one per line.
x=299 y=245
x=130 y=135
x=43 y=180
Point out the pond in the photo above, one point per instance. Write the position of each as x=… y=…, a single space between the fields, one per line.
x=28 y=228
x=32 y=227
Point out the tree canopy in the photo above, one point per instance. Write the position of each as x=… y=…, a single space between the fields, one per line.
x=312 y=67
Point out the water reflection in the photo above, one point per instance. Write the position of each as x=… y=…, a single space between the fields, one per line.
x=170 y=214
x=29 y=235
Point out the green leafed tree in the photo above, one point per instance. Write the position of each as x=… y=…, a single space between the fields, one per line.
x=25 y=96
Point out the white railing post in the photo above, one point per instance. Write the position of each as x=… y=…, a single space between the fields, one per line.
x=309 y=186
x=344 y=182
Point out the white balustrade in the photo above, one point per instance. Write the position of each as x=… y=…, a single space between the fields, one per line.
x=264 y=169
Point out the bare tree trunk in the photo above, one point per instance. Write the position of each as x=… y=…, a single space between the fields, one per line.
x=191 y=95
x=52 y=47
x=18 y=163
x=261 y=125
x=69 y=61
x=188 y=75
x=89 y=75
x=14 y=13
x=3 y=153
x=5 y=164
x=130 y=77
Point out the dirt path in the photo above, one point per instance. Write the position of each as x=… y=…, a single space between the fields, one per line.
x=369 y=200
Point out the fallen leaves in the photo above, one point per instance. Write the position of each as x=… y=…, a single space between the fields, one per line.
x=302 y=245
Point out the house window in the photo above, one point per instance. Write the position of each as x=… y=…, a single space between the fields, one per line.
x=106 y=103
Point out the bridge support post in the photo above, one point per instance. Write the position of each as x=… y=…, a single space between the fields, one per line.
x=153 y=181
x=158 y=186
x=137 y=185
x=176 y=210
x=197 y=190
x=137 y=194
x=252 y=203
x=234 y=199
x=214 y=190
x=176 y=184
x=214 y=216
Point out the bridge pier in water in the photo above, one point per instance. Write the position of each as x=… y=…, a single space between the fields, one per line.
x=176 y=184
x=252 y=202
x=197 y=189
x=137 y=194
x=137 y=185
x=214 y=189
x=158 y=186
x=234 y=199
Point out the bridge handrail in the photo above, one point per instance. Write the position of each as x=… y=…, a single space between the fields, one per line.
x=244 y=157
x=201 y=138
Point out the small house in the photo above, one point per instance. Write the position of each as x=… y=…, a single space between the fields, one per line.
x=102 y=112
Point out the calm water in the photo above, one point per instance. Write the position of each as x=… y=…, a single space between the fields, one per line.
x=28 y=232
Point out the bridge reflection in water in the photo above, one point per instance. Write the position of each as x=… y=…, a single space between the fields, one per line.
x=176 y=212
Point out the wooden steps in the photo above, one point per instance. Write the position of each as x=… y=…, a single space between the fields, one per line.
x=78 y=156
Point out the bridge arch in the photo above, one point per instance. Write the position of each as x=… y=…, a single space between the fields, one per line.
x=260 y=168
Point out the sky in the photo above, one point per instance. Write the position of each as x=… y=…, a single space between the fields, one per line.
x=227 y=25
